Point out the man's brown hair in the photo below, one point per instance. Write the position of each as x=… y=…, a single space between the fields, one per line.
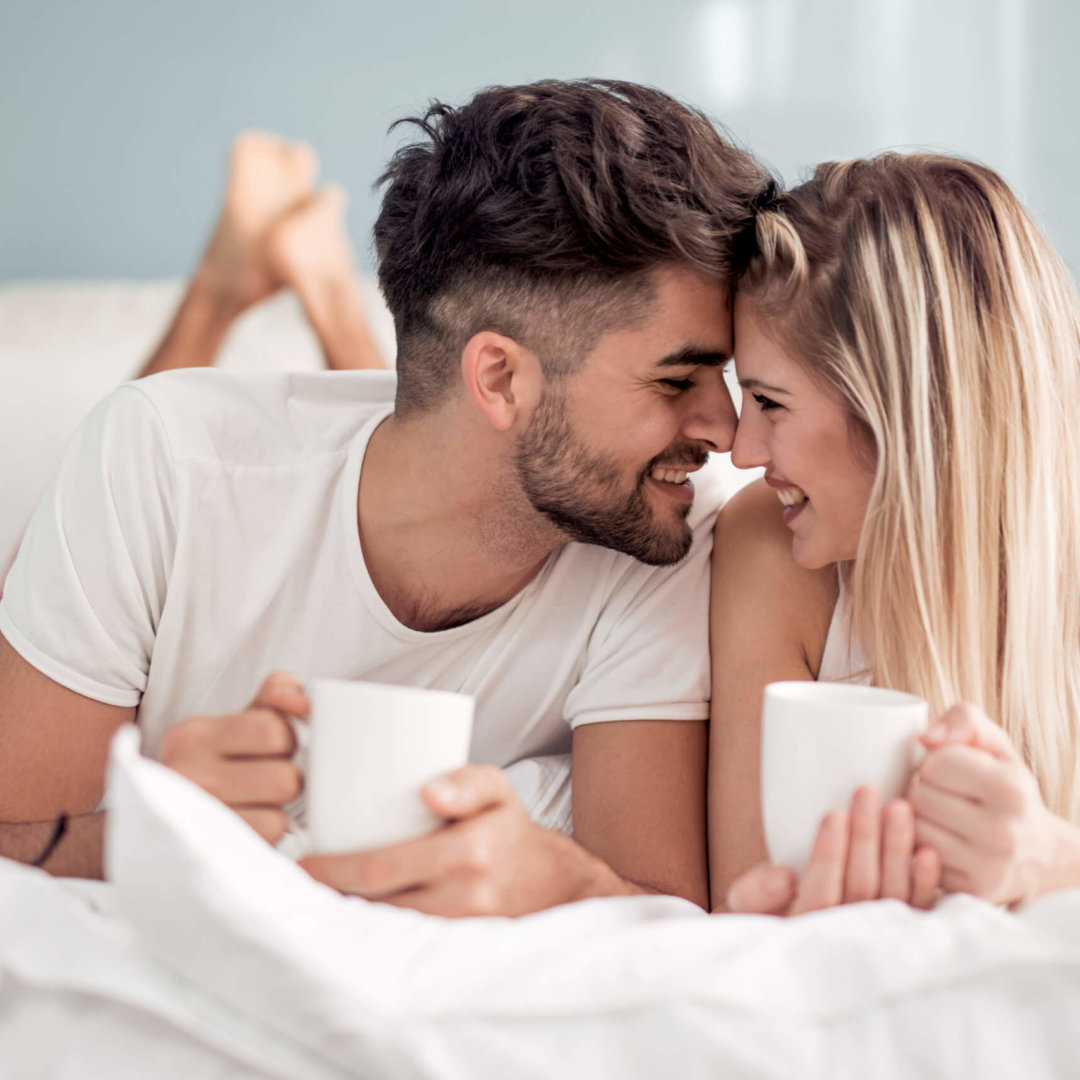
x=538 y=212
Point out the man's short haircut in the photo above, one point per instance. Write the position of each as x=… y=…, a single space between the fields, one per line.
x=539 y=211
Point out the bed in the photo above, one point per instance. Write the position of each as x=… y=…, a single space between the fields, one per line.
x=209 y=954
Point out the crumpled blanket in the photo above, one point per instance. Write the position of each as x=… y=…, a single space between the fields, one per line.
x=211 y=954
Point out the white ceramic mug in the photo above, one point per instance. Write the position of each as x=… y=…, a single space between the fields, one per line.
x=371 y=747
x=819 y=742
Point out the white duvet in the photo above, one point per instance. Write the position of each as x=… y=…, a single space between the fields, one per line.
x=209 y=954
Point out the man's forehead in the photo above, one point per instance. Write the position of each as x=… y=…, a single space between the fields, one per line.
x=695 y=355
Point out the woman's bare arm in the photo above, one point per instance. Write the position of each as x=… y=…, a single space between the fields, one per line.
x=769 y=620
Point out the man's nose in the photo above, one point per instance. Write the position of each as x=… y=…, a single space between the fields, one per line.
x=711 y=419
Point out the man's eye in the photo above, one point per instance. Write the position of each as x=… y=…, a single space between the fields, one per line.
x=766 y=403
x=678 y=384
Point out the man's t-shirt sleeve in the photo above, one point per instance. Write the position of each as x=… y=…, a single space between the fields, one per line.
x=648 y=657
x=84 y=596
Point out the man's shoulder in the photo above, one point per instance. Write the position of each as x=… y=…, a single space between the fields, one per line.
x=261 y=418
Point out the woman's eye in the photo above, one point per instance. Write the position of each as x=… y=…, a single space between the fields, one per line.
x=766 y=403
x=678 y=384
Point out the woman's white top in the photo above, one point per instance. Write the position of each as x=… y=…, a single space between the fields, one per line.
x=843 y=659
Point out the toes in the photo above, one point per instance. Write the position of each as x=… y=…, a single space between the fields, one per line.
x=303 y=164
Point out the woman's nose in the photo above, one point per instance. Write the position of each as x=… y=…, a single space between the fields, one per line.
x=749 y=450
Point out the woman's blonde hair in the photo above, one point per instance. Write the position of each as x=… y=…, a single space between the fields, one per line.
x=917 y=287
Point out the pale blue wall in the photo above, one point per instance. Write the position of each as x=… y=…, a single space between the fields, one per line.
x=115 y=115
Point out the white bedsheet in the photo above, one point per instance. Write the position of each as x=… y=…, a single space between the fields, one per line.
x=210 y=954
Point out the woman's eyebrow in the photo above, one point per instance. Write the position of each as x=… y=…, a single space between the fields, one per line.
x=755 y=384
x=699 y=357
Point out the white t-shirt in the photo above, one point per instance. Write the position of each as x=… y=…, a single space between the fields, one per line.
x=202 y=533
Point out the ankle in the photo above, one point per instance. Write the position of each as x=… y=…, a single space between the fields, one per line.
x=212 y=300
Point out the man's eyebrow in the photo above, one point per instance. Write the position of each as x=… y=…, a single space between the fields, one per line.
x=692 y=356
x=755 y=384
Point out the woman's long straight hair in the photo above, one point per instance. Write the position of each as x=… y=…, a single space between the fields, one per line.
x=919 y=290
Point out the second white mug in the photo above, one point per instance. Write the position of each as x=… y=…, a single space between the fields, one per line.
x=819 y=742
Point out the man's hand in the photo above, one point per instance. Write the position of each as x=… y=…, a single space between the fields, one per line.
x=865 y=855
x=489 y=860
x=978 y=803
x=245 y=758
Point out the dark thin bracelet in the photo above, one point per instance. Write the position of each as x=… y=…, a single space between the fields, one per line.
x=54 y=841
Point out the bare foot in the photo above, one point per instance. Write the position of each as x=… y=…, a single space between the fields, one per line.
x=309 y=249
x=267 y=177
x=309 y=245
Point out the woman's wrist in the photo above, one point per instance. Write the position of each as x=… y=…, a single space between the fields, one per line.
x=1062 y=868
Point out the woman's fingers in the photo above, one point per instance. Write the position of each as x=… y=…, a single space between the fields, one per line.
x=862 y=879
x=973 y=774
x=762 y=890
x=867 y=855
x=956 y=814
x=966 y=724
x=897 y=847
x=926 y=878
x=822 y=884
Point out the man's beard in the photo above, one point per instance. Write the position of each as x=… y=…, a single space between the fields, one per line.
x=578 y=490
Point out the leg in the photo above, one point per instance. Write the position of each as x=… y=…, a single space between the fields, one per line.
x=309 y=249
x=267 y=177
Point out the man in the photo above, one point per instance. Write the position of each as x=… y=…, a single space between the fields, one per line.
x=518 y=524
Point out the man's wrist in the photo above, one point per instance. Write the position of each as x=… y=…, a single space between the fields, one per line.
x=78 y=853
x=591 y=877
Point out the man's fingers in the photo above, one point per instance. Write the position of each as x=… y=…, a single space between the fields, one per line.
x=267 y=821
x=253 y=733
x=862 y=879
x=283 y=692
x=452 y=899
x=351 y=873
x=468 y=791
x=822 y=882
x=384 y=872
x=898 y=845
x=925 y=878
x=267 y=782
x=763 y=890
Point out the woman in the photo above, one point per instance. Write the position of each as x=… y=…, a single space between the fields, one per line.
x=909 y=350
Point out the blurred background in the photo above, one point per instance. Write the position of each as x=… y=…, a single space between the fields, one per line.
x=116 y=115
x=116 y=118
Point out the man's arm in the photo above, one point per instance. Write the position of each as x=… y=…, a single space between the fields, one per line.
x=642 y=805
x=489 y=859
x=54 y=746
x=639 y=802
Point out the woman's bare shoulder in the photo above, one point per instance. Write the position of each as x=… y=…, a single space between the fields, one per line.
x=759 y=592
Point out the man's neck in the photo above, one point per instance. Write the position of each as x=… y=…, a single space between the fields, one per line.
x=446 y=535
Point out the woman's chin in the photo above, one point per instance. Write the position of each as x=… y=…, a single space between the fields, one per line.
x=811 y=556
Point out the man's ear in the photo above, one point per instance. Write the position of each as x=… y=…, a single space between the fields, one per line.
x=501 y=376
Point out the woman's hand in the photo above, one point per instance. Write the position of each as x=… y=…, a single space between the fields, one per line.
x=980 y=806
x=867 y=854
